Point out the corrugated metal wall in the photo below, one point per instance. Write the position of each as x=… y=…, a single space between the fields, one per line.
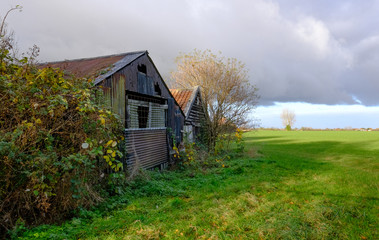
x=146 y=132
x=145 y=148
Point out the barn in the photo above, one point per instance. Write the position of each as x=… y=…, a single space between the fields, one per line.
x=136 y=91
x=192 y=104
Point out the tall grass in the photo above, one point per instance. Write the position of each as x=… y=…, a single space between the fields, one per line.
x=289 y=185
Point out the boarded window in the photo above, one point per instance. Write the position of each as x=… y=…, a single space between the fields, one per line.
x=145 y=84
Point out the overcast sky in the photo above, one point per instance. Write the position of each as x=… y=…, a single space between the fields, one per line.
x=301 y=54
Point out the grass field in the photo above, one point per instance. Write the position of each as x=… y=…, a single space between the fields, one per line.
x=290 y=185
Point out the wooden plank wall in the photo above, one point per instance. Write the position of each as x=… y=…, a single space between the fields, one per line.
x=132 y=74
x=114 y=93
x=196 y=117
x=196 y=114
x=145 y=148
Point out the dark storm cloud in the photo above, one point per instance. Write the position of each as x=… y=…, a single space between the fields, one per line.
x=312 y=51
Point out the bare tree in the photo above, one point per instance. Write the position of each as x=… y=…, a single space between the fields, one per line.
x=7 y=37
x=8 y=42
x=288 y=118
x=228 y=95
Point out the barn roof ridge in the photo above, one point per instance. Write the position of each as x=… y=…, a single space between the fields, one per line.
x=100 y=67
x=129 y=58
x=97 y=57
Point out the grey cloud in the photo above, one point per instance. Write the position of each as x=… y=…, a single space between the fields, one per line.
x=310 y=51
x=362 y=79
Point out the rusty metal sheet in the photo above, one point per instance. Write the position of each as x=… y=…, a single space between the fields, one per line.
x=87 y=67
x=146 y=149
x=182 y=96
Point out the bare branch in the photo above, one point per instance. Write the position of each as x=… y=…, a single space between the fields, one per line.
x=18 y=7
x=225 y=87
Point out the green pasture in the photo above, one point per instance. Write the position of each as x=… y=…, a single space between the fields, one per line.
x=288 y=185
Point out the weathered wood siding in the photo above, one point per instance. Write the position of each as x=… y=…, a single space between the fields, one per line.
x=114 y=93
x=196 y=115
x=146 y=148
x=145 y=119
x=136 y=81
x=195 y=118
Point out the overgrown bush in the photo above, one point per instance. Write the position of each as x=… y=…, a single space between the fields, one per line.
x=197 y=156
x=56 y=139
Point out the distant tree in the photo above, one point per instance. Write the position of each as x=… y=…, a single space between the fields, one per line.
x=227 y=93
x=288 y=119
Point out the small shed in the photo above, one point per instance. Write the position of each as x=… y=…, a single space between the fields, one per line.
x=191 y=103
x=136 y=91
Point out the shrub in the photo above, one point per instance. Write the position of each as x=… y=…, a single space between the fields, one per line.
x=56 y=139
x=196 y=156
x=240 y=143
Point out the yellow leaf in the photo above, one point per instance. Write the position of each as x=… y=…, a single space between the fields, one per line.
x=109 y=151
x=106 y=158
x=102 y=120
x=109 y=143
x=113 y=154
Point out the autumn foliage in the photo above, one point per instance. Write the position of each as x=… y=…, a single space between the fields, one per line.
x=228 y=95
x=56 y=139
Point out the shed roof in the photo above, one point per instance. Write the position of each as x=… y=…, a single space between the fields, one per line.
x=185 y=98
x=182 y=96
x=97 y=67
x=101 y=67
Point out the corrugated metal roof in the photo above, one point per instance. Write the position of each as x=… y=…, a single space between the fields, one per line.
x=185 y=98
x=182 y=96
x=100 y=68
x=97 y=67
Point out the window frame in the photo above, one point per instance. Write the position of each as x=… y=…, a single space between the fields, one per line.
x=155 y=107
